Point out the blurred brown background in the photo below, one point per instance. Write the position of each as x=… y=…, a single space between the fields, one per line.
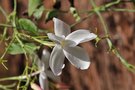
x=106 y=71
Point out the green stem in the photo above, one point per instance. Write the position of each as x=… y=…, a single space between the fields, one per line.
x=103 y=23
x=7 y=87
x=121 y=10
x=6 y=25
x=15 y=30
x=112 y=3
x=100 y=16
x=22 y=77
x=25 y=71
x=15 y=6
x=112 y=48
x=81 y=20
x=4 y=13
x=50 y=44
x=3 y=55
x=5 y=30
x=96 y=9
x=124 y=62
x=22 y=45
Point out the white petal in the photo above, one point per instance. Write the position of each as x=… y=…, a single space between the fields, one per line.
x=38 y=62
x=56 y=61
x=41 y=65
x=77 y=56
x=52 y=76
x=61 y=28
x=43 y=81
x=80 y=36
x=45 y=58
x=68 y=43
x=55 y=38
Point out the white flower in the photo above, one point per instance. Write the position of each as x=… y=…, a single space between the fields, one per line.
x=43 y=65
x=66 y=45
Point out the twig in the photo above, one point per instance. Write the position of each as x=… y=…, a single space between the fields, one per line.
x=22 y=76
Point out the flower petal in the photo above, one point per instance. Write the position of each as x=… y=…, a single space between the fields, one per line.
x=43 y=81
x=52 y=76
x=56 y=61
x=81 y=36
x=41 y=65
x=77 y=56
x=61 y=28
x=45 y=58
x=70 y=43
x=55 y=38
x=34 y=86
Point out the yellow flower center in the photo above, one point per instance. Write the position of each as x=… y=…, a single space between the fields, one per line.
x=63 y=43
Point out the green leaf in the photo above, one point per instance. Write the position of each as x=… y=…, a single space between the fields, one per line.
x=33 y=4
x=30 y=47
x=38 y=12
x=15 y=48
x=51 y=14
x=28 y=25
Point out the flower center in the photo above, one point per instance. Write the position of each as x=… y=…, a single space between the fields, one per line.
x=63 y=42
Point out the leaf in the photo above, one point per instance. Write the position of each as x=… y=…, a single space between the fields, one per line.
x=32 y=5
x=51 y=14
x=38 y=12
x=15 y=48
x=30 y=47
x=28 y=25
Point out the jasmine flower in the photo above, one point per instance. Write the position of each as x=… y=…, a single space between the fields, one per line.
x=43 y=65
x=66 y=46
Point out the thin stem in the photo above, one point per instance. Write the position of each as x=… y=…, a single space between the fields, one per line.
x=4 y=13
x=6 y=25
x=103 y=23
x=112 y=3
x=81 y=20
x=3 y=55
x=100 y=17
x=129 y=66
x=15 y=6
x=1 y=58
x=22 y=76
x=113 y=49
x=38 y=40
x=121 y=10
x=15 y=30
x=7 y=87
x=25 y=71
x=96 y=9
x=22 y=45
